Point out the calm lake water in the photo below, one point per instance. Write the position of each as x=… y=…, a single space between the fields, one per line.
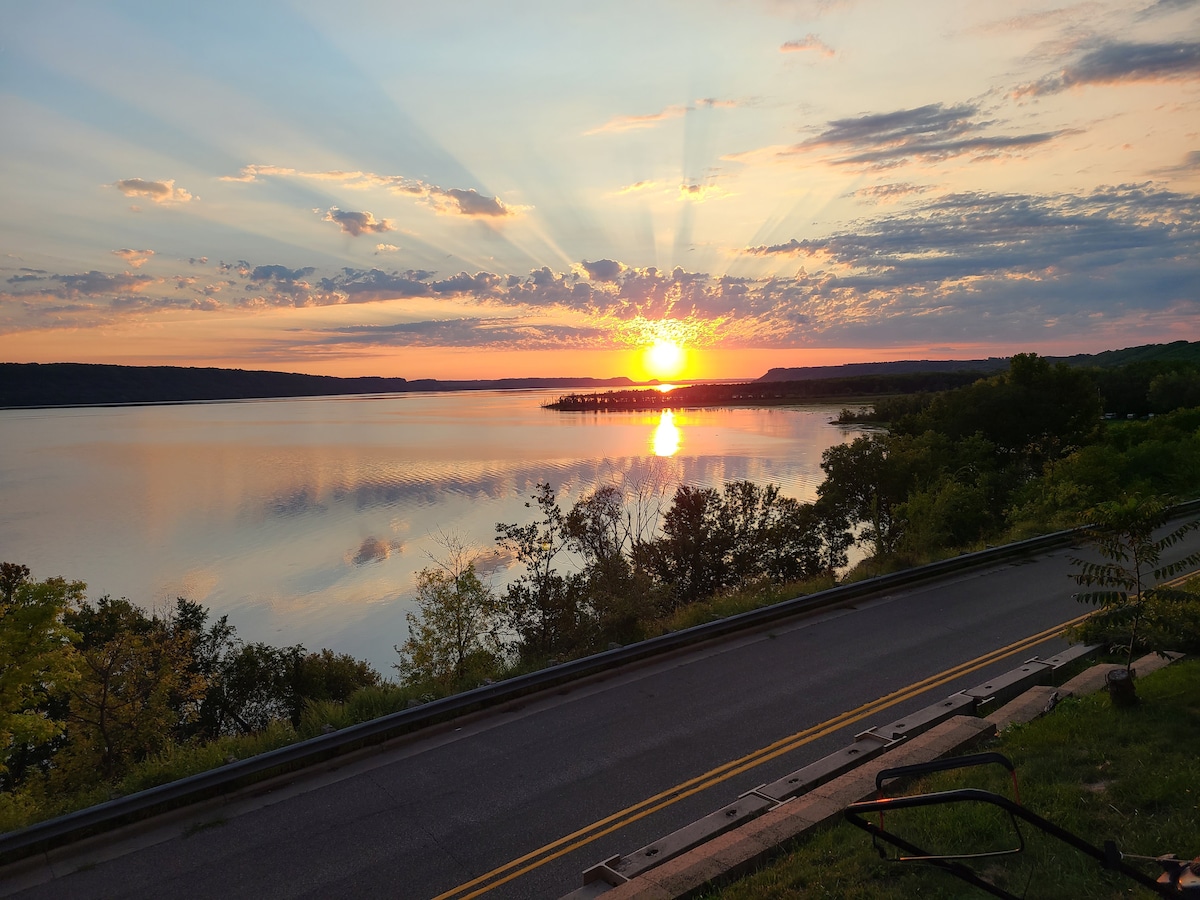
x=306 y=520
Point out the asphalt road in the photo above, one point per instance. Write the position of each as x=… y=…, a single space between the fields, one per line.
x=426 y=816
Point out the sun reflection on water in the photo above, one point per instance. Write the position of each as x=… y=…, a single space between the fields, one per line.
x=666 y=435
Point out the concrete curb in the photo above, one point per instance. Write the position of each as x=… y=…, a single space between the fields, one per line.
x=740 y=851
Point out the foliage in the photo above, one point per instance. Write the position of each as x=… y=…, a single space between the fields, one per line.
x=137 y=686
x=36 y=660
x=691 y=556
x=1035 y=411
x=547 y=610
x=611 y=530
x=1127 y=535
x=453 y=640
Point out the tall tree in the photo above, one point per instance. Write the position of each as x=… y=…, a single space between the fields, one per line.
x=546 y=609
x=37 y=658
x=452 y=641
x=137 y=685
x=691 y=556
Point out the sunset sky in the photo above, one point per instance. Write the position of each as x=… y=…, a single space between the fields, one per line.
x=484 y=189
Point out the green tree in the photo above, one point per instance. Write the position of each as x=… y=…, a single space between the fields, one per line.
x=452 y=638
x=1170 y=391
x=690 y=558
x=1033 y=413
x=547 y=610
x=325 y=675
x=253 y=686
x=137 y=686
x=864 y=483
x=37 y=658
x=608 y=536
x=1128 y=536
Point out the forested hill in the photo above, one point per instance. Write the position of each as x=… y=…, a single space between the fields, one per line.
x=82 y=384
x=1177 y=351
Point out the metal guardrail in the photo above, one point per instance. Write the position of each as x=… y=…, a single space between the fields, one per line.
x=74 y=826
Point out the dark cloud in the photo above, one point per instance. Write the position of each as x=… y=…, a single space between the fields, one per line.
x=100 y=283
x=494 y=333
x=927 y=132
x=17 y=279
x=972 y=234
x=602 y=269
x=1166 y=7
x=1190 y=164
x=1117 y=62
x=366 y=285
x=281 y=274
x=481 y=284
x=357 y=223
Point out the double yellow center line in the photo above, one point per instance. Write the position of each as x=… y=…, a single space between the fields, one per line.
x=571 y=842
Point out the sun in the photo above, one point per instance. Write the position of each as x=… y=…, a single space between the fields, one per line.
x=665 y=359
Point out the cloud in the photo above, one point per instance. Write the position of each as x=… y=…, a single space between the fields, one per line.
x=601 y=269
x=98 y=284
x=158 y=191
x=971 y=234
x=135 y=258
x=931 y=132
x=1121 y=62
x=1041 y=19
x=252 y=172
x=618 y=124
x=368 y=285
x=1166 y=7
x=280 y=274
x=639 y=186
x=888 y=193
x=698 y=192
x=809 y=42
x=942 y=268
x=1189 y=165
x=631 y=123
x=357 y=223
x=386 y=248
x=465 y=202
x=495 y=333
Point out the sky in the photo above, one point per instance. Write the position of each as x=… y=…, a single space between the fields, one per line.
x=481 y=189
